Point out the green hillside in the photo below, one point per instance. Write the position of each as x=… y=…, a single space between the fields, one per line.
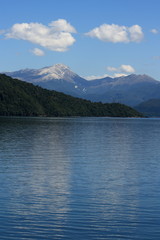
x=150 y=108
x=18 y=98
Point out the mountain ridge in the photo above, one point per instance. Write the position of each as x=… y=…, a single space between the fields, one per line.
x=19 y=98
x=130 y=90
x=150 y=108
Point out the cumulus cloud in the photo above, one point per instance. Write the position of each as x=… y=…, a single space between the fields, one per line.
x=115 y=75
x=62 y=25
x=154 y=31
x=116 y=34
x=112 y=69
x=123 y=68
x=121 y=71
x=55 y=37
x=92 y=77
x=38 y=52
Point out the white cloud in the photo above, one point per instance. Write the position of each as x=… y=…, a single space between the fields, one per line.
x=38 y=52
x=121 y=71
x=92 y=77
x=135 y=33
x=115 y=33
x=115 y=75
x=62 y=25
x=111 y=69
x=123 y=68
x=154 y=31
x=127 y=69
x=55 y=37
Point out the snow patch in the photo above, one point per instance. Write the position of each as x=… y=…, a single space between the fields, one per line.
x=58 y=71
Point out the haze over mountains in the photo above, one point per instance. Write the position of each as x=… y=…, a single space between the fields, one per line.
x=130 y=90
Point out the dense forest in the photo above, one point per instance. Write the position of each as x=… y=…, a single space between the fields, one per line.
x=18 y=98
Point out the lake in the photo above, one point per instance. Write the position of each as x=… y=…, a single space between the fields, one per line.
x=79 y=178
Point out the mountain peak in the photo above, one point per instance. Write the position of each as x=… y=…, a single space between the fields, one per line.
x=142 y=77
x=61 y=66
x=56 y=67
x=57 y=71
x=130 y=90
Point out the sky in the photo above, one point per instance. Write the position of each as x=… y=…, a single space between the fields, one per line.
x=95 y=38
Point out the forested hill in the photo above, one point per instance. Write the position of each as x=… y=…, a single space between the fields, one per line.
x=18 y=98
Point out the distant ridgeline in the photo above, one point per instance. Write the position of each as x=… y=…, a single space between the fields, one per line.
x=18 y=98
x=150 y=108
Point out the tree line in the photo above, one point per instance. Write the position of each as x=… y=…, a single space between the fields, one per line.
x=18 y=98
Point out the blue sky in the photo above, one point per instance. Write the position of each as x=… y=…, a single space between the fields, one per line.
x=92 y=37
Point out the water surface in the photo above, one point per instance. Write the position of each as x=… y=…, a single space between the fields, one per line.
x=79 y=178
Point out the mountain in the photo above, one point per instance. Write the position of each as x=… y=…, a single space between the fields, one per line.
x=131 y=90
x=18 y=98
x=58 y=77
x=150 y=108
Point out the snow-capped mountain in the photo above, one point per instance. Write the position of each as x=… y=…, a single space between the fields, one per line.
x=58 y=77
x=131 y=90
x=58 y=71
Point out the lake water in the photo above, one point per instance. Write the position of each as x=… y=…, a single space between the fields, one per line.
x=79 y=178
